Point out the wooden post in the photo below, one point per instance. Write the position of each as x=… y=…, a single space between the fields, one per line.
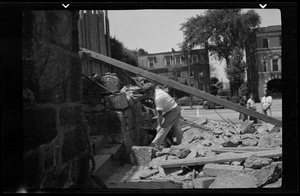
x=177 y=85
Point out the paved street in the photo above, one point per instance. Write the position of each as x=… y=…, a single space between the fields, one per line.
x=210 y=114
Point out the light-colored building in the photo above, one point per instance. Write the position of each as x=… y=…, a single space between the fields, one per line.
x=265 y=62
x=174 y=65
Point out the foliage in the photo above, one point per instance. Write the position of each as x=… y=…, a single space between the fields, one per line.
x=243 y=90
x=212 y=69
x=236 y=71
x=214 y=80
x=224 y=92
x=222 y=30
x=121 y=53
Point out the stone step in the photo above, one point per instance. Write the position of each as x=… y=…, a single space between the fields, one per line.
x=107 y=159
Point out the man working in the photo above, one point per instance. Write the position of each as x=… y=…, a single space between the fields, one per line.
x=168 y=117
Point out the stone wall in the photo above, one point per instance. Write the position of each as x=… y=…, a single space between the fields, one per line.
x=116 y=116
x=55 y=149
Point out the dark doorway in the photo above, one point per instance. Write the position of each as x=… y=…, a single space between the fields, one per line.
x=275 y=88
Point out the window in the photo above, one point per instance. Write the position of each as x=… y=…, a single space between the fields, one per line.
x=265 y=42
x=168 y=60
x=179 y=74
x=192 y=74
x=194 y=58
x=151 y=62
x=177 y=59
x=264 y=66
x=275 y=64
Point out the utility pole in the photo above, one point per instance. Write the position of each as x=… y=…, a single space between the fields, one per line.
x=189 y=74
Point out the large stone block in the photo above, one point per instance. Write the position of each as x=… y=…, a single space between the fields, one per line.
x=267 y=174
x=32 y=173
x=74 y=144
x=218 y=169
x=245 y=127
x=53 y=76
x=39 y=126
x=111 y=82
x=97 y=123
x=56 y=179
x=143 y=154
x=270 y=140
x=115 y=122
x=256 y=162
x=203 y=183
x=70 y=116
x=234 y=180
x=180 y=151
x=116 y=101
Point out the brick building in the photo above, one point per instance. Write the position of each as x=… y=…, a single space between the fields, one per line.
x=265 y=64
x=169 y=64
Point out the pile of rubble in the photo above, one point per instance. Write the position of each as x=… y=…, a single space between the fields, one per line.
x=221 y=155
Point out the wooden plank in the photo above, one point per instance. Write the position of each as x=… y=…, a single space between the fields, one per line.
x=238 y=150
x=220 y=158
x=176 y=85
x=244 y=148
x=107 y=35
x=145 y=184
x=194 y=124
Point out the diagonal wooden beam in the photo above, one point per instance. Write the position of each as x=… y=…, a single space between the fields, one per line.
x=176 y=85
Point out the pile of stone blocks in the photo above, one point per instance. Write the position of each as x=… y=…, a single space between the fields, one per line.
x=253 y=172
x=114 y=111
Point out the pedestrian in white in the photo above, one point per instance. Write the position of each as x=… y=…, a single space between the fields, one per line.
x=266 y=102
x=251 y=105
x=169 y=114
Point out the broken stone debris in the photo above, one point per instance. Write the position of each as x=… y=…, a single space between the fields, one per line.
x=256 y=162
x=250 y=173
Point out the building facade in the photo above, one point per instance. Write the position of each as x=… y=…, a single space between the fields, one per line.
x=265 y=62
x=173 y=65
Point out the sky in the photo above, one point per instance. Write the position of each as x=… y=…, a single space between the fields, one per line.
x=158 y=30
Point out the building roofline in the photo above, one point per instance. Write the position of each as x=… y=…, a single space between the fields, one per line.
x=159 y=53
x=272 y=28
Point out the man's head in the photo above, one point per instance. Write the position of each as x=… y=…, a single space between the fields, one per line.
x=266 y=93
x=149 y=89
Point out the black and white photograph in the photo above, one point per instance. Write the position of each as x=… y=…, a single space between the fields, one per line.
x=140 y=99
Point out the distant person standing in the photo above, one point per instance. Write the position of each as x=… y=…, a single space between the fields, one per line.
x=266 y=102
x=243 y=102
x=251 y=105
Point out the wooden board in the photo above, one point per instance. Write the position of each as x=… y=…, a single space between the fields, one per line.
x=145 y=184
x=220 y=158
x=177 y=85
x=240 y=149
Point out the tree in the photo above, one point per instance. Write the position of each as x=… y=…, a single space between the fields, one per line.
x=222 y=30
x=121 y=53
x=141 y=52
x=243 y=90
x=215 y=85
x=236 y=71
x=212 y=69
